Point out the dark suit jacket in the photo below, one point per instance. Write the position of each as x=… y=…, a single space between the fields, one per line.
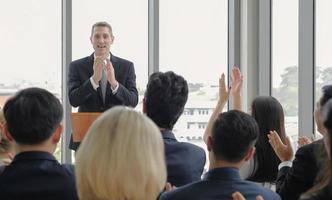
x=82 y=94
x=219 y=184
x=185 y=162
x=37 y=175
x=294 y=181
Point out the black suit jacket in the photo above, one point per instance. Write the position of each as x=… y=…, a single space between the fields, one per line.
x=37 y=175
x=185 y=162
x=219 y=184
x=82 y=94
x=295 y=180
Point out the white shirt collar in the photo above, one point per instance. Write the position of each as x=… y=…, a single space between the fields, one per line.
x=108 y=56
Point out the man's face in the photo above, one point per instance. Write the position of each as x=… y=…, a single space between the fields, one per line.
x=101 y=40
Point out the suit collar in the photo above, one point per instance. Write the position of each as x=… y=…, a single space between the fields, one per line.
x=33 y=155
x=168 y=134
x=223 y=173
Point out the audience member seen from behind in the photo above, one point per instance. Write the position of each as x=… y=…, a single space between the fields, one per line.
x=230 y=139
x=6 y=148
x=230 y=145
x=164 y=100
x=308 y=168
x=121 y=157
x=269 y=115
x=33 y=123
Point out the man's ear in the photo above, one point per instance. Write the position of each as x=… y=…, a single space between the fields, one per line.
x=144 y=106
x=57 y=134
x=6 y=133
x=112 y=39
x=209 y=143
x=250 y=153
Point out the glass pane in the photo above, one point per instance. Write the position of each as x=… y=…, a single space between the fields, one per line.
x=30 y=50
x=130 y=29
x=285 y=60
x=194 y=46
x=323 y=45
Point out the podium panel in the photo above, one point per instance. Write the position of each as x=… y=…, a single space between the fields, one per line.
x=80 y=122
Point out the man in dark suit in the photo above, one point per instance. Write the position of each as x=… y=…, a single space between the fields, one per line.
x=33 y=118
x=101 y=80
x=164 y=101
x=230 y=145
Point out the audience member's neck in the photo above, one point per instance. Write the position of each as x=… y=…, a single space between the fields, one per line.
x=218 y=163
x=45 y=147
x=164 y=129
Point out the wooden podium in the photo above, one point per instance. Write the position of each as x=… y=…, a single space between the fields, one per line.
x=80 y=123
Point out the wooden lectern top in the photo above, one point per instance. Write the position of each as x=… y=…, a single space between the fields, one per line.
x=80 y=123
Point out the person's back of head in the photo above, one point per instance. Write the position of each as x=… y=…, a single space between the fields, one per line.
x=32 y=116
x=269 y=116
x=121 y=157
x=327 y=118
x=165 y=97
x=234 y=133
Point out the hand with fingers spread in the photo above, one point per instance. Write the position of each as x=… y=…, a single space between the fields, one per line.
x=304 y=140
x=283 y=151
x=110 y=74
x=239 y=196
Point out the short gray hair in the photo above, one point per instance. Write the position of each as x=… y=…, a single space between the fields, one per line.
x=102 y=24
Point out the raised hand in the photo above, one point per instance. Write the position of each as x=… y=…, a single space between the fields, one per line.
x=236 y=81
x=283 y=151
x=223 y=98
x=223 y=91
x=236 y=85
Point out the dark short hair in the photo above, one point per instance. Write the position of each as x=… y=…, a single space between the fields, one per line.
x=233 y=133
x=269 y=116
x=326 y=94
x=32 y=115
x=102 y=24
x=165 y=97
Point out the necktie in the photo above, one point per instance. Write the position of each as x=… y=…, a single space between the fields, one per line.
x=103 y=83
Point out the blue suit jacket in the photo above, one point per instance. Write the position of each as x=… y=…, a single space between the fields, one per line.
x=185 y=162
x=37 y=175
x=219 y=184
x=82 y=94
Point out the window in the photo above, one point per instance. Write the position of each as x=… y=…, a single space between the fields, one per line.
x=194 y=46
x=131 y=39
x=285 y=60
x=30 y=50
x=323 y=45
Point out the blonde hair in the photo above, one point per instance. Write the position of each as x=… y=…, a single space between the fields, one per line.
x=121 y=157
